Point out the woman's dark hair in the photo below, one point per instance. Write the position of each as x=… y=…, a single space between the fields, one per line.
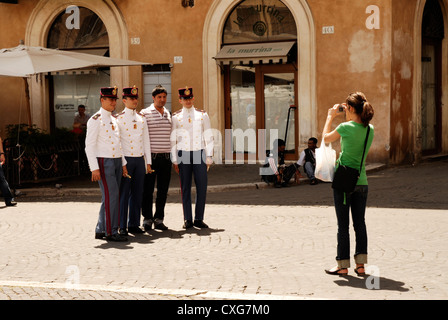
x=362 y=107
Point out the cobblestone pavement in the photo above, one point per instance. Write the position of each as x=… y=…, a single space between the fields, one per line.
x=262 y=244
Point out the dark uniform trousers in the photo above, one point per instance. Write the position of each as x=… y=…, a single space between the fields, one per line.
x=192 y=163
x=4 y=187
x=111 y=171
x=131 y=193
x=161 y=164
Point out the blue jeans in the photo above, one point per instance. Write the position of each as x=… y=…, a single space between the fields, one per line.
x=309 y=170
x=356 y=201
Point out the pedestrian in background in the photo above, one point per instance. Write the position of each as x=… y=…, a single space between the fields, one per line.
x=107 y=164
x=158 y=120
x=137 y=152
x=4 y=186
x=80 y=120
x=307 y=160
x=352 y=133
x=191 y=154
x=279 y=172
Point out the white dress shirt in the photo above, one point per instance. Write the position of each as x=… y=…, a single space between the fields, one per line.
x=134 y=134
x=191 y=131
x=102 y=139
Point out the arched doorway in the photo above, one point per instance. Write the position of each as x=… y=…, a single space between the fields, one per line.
x=70 y=89
x=431 y=73
x=259 y=61
x=216 y=89
x=37 y=30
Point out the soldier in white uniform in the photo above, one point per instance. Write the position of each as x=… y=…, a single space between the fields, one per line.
x=191 y=154
x=107 y=164
x=137 y=152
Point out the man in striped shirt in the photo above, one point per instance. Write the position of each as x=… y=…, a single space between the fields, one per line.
x=158 y=119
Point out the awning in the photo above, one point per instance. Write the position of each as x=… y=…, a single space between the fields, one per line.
x=272 y=52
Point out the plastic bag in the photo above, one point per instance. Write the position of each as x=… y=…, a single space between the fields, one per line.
x=325 y=162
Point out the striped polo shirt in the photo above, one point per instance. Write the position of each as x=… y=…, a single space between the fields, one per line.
x=159 y=128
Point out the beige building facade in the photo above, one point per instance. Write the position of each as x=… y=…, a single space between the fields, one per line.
x=262 y=69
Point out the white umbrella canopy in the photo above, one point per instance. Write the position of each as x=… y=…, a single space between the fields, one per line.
x=24 y=61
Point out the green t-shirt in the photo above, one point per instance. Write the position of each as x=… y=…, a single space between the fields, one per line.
x=353 y=136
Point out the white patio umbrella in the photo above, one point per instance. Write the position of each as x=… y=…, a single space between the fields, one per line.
x=25 y=61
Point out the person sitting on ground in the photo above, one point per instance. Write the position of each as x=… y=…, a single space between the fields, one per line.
x=277 y=171
x=307 y=160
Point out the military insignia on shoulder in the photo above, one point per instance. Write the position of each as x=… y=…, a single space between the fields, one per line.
x=203 y=111
x=95 y=117
x=177 y=112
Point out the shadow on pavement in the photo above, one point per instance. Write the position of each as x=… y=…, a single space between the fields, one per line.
x=372 y=283
x=152 y=235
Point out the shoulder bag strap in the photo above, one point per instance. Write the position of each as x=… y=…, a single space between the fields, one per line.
x=365 y=145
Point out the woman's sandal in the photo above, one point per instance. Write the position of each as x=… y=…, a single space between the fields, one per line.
x=337 y=271
x=360 y=273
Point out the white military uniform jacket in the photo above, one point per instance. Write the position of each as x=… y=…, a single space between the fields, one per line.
x=103 y=139
x=191 y=131
x=134 y=134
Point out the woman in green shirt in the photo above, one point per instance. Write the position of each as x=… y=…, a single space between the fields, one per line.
x=352 y=133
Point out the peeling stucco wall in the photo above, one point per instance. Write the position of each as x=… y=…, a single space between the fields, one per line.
x=402 y=77
x=355 y=58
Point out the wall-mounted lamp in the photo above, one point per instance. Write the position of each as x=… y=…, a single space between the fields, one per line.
x=188 y=3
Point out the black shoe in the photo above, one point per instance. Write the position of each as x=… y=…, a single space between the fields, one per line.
x=285 y=185
x=188 y=224
x=160 y=226
x=123 y=232
x=147 y=227
x=11 y=203
x=99 y=235
x=135 y=230
x=116 y=238
x=200 y=224
x=313 y=182
x=147 y=224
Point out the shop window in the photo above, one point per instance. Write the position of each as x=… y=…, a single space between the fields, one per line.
x=259 y=62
